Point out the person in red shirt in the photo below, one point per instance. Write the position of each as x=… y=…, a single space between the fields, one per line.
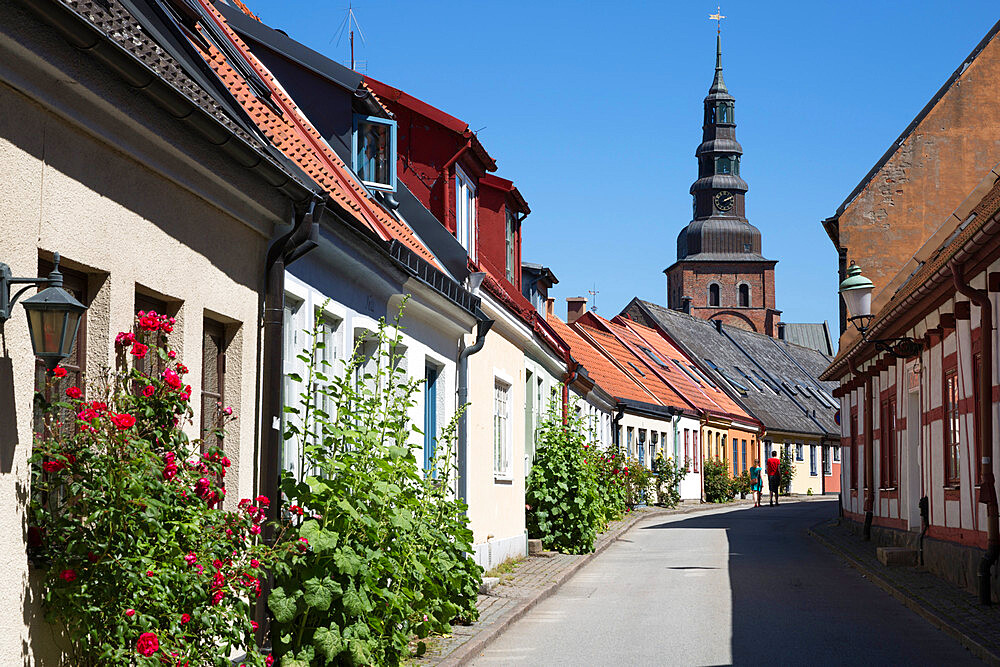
x=773 y=466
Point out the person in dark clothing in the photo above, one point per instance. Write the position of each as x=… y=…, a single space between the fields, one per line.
x=773 y=477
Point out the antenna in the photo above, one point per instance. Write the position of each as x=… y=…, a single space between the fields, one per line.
x=348 y=25
x=593 y=295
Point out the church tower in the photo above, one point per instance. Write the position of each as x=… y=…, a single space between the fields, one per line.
x=720 y=273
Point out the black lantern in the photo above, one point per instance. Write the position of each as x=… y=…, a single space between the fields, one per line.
x=53 y=314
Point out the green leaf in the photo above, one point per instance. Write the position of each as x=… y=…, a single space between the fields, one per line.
x=283 y=606
x=328 y=642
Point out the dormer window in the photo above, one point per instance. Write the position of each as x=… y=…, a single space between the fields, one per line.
x=465 y=211
x=511 y=237
x=374 y=151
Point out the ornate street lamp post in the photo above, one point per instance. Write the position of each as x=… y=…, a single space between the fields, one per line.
x=856 y=291
x=53 y=313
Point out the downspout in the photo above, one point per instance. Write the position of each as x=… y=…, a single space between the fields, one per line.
x=281 y=252
x=568 y=379
x=446 y=194
x=616 y=429
x=483 y=327
x=987 y=492
x=869 y=459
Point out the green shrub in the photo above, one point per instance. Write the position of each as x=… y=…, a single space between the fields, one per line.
x=741 y=484
x=382 y=547
x=787 y=471
x=143 y=568
x=608 y=466
x=668 y=478
x=562 y=489
x=717 y=486
x=637 y=483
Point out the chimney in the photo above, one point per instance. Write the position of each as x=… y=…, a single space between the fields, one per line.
x=718 y=325
x=781 y=331
x=575 y=307
x=550 y=307
x=686 y=304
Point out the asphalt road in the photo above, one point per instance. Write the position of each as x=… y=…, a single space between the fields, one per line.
x=735 y=586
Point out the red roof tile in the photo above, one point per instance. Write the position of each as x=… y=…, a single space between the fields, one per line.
x=293 y=134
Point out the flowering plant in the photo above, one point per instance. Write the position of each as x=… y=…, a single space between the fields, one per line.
x=144 y=568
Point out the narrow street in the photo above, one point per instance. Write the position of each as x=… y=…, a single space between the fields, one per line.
x=734 y=586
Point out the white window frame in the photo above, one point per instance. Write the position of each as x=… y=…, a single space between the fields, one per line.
x=466 y=204
x=503 y=449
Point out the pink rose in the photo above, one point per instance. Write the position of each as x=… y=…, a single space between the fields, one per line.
x=139 y=350
x=170 y=471
x=255 y=529
x=125 y=338
x=217 y=597
x=190 y=558
x=225 y=462
x=148 y=644
x=227 y=410
x=254 y=563
x=201 y=487
x=148 y=390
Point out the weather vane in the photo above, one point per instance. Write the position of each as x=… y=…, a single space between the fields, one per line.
x=717 y=16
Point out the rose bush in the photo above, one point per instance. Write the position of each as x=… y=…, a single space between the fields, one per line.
x=143 y=567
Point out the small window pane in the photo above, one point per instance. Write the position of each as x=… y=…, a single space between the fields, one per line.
x=373 y=160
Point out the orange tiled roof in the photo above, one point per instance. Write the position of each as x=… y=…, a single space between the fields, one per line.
x=653 y=389
x=704 y=395
x=293 y=134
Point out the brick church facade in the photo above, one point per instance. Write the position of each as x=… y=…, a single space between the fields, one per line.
x=720 y=273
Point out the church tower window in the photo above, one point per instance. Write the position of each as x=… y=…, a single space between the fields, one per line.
x=744 y=296
x=713 y=295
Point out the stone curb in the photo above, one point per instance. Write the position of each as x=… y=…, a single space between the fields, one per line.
x=472 y=648
x=976 y=648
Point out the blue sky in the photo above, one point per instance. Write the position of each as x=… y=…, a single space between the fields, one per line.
x=594 y=110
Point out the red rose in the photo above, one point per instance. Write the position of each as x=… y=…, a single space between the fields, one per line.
x=170 y=471
x=172 y=378
x=123 y=421
x=53 y=466
x=148 y=390
x=74 y=392
x=139 y=350
x=171 y=354
x=185 y=618
x=130 y=612
x=269 y=660
x=148 y=644
x=59 y=372
x=182 y=369
x=68 y=575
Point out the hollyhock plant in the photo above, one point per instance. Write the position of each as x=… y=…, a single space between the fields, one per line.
x=120 y=522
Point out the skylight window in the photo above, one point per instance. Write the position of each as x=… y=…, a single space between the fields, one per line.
x=733 y=382
x=788 y=387
x=373 y=147
x=765 y=382
x=702 y=376
x=655 y=357
x=636 y=368
x=749 y=379
x=687 y=372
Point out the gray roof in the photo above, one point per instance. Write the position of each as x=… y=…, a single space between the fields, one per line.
x=775 y=381
x=811 y=335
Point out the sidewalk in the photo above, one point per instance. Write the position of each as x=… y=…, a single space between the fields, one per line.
x=533 y=579
x=956 y=612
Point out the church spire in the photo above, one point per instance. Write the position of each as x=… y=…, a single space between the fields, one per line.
x=718 y=85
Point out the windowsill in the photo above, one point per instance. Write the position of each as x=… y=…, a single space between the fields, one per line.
x=952 y=493
x=814 y=474
x=854 y=493
x=889 y=494
x=506 y=481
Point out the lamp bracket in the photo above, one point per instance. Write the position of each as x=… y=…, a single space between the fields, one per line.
x=7 y=280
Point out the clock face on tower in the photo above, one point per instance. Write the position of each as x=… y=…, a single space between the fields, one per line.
x=724 y=200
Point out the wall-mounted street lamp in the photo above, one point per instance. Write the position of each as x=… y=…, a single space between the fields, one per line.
x=857 y=293
x=53 y=313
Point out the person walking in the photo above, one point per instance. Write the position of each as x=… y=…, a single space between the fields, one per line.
x=773 y=469
x=756 y=482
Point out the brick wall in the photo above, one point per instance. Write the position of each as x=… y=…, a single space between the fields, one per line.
x=692 y=279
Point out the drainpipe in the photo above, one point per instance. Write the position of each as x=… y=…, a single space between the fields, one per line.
x=282 y=251
x=869 y=459
x=446 y=195
x=987 y=492
x=483 y=327
x=616 y=429
x=569 y=379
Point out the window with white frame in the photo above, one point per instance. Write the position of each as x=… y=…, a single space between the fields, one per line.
x=501 y=430
x=827 y=465
x=465 y=211
x=374 y=152
x=812 y=460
